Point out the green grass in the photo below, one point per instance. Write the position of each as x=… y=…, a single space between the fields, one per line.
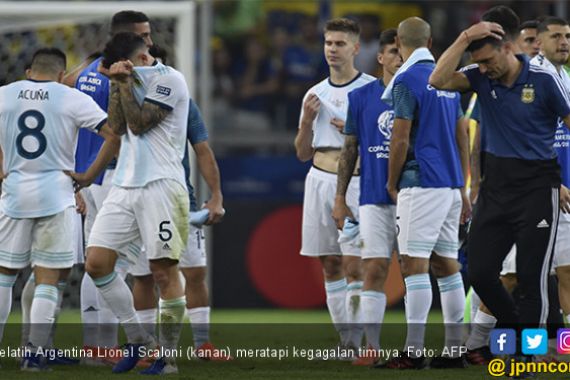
x=255 y=329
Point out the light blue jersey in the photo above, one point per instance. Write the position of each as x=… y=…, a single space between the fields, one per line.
x=39 y=124
x=156 y=154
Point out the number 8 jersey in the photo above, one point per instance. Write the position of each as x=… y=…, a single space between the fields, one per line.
x=39 y=124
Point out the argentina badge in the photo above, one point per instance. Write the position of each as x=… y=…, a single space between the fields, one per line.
x=527 y=95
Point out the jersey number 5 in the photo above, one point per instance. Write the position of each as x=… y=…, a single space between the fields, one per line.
x=29 y=130
x=163 y=232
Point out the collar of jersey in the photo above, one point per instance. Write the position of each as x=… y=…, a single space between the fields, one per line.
x=40 y=81
x=345 y=84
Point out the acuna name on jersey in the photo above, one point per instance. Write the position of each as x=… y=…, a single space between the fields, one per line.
x=33 y=95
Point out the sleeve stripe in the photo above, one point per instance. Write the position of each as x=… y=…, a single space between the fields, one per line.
x=101 y=124
x=160 y=104
x=557 y=80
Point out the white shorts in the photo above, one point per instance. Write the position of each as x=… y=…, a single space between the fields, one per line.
x=562 y=246
x=194 y=256
x=510 y=262
x=319 y=232
x=94 y=196
x=428 y=221
x=78 y=245
x=156 y=215
x=45 y=242
x=378 y=232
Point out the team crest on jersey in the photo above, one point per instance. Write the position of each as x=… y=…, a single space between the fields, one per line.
x=162 y=90
x=385 y=122
x=527 y=95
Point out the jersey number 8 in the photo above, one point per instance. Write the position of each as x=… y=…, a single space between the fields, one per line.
x=36 y=132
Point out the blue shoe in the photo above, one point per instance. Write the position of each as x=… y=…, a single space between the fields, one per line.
x=56 y=357
x=131 y=357
x=160 y=367
x=33 y=363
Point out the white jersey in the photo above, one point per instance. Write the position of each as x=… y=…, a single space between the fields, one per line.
x=543 y=62
x=39 y=124
x=158 y=153
x=334 y=104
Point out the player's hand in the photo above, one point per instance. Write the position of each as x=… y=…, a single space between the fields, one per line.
x=482 y=30
x=80 y=205
x=393 y=192
x=121 y=71
x=80 y=180
x=340 y=211
x=216 y=211
x=465 y=208
x=103 y=70
x=564 y=199
x=338 y=123
x=473 y=193
x=311 y=108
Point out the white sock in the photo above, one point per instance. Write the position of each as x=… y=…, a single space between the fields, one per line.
x=42 y=314
x=373 y=305
x=26 y=300
x=480 y=330
x=452 y=296
x=108 y=322
x=89 y=298
x=354 y=313
x=568 y=318
x=418 y=302
x=148 y=319
x=336 y=296
x=60 y=290
x=475 y=303
x=171 y=318
x=200 y=322
x=118 y=296
x=6 y=284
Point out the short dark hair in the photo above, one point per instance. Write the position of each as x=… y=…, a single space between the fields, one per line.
x=342 y=25
x=387 y=37
x=551 y=20
x=158 y=52
x=478 y=44
x=49 y=60
x=505 y=17
x=121 y=46
x=122 y=21
x=529 y=24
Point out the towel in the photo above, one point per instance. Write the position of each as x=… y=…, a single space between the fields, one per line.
x=349 y=232
x=420 y=54
x=197 y=218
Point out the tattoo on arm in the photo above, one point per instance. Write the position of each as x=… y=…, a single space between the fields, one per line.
x=140 y=119
x=115 y=115
x=347 y=163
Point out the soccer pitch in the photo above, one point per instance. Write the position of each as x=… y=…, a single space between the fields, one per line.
x=287 y=330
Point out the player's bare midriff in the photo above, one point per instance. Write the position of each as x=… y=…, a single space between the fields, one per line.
x=327 y=159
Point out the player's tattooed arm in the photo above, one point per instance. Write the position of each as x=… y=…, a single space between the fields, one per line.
x=116 y=118
x=346 y=165
x=139 y=119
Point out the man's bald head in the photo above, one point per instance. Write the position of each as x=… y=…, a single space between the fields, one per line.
x=414 y=32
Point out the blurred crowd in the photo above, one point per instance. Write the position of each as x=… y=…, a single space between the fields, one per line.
x=262 y=71
x=266 y=58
